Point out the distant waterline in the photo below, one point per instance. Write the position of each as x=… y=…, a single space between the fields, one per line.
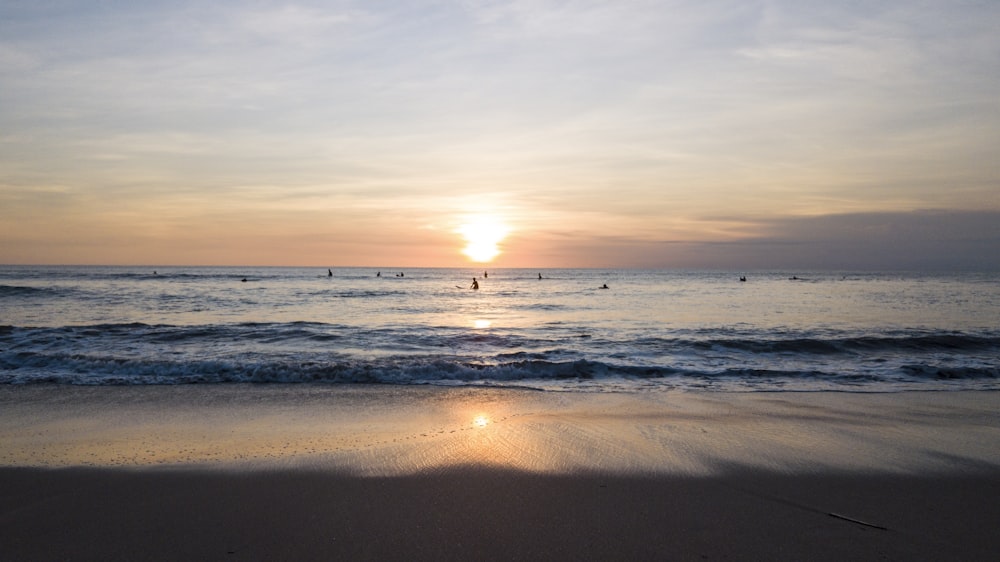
x=650 y=330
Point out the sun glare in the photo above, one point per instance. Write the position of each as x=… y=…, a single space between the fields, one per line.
x=480 y=421
x=483 y=235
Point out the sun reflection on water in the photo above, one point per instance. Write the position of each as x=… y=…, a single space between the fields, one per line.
x=480 y=324
x=480 y=421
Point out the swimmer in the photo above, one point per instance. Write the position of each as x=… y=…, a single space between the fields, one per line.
x=475 y=284
x=605 y=286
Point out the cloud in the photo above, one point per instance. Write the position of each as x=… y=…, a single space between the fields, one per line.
x=637 y=121
x=920 y=240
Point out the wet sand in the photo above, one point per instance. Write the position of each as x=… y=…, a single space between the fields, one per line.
x=298 y=472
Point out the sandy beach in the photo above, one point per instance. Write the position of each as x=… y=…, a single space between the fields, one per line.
x=270 y=472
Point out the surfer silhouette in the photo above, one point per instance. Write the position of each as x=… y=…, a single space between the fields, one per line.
x=475 y=284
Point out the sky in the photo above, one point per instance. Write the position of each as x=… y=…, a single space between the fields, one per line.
x=716 y=134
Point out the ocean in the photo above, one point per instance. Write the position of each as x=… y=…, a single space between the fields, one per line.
x=551 y=329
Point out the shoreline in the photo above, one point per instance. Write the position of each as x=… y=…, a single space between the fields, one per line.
x=248 y=472
x=390 y=430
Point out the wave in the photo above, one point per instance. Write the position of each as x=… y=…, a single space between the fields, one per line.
x=298 y=352
x=23 y=291
x=752 y=342
x=99 y=369
x=840 y=345
x=362 y=294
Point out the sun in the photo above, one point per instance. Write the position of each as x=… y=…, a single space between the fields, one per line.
x=483 y=234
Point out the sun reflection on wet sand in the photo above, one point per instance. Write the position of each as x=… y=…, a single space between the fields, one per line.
x=378 y=430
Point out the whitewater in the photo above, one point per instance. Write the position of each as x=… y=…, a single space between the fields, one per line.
x=550 y=329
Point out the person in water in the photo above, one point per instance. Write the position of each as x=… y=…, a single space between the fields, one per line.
x=605 y=286
x=475 y=284
x=379 y=274
x=486 y=275
x=539 y=275
x=329 y=273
